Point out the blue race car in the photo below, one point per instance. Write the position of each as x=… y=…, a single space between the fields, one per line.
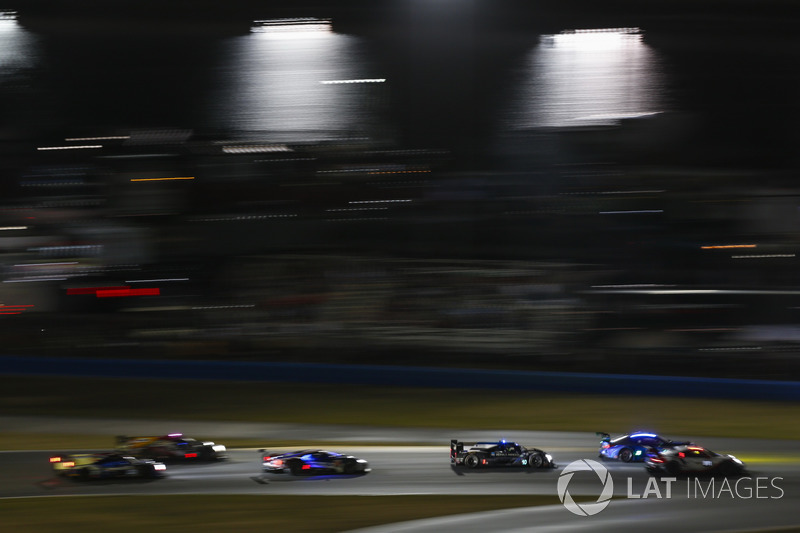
x=313 y=462
x=633 y=447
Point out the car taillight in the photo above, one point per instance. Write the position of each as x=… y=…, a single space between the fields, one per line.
x=658 y=460
x=306 y=467
x=55 y=459
x=605 y=445
x=267 y=458
x=189 y=455
x=278 y=462
x=68 y=464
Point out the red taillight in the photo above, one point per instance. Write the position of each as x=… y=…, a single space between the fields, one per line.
x=656 y=460
x=55 y=459
x=484 y=461
x=267 y=458
x=189 y=455
x=681 y=455
x=278 y=462
x=306 y=467
x=605 y=445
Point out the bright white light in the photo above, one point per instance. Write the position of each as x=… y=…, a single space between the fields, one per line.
x=764 y=256
x=256 y=148
x=340 y=82
x=108 y=138
x=80 y=147
x=292 y=28
x=594 y=40
x=588 y=78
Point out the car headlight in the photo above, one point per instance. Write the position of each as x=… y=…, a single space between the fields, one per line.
x=159 y=466
x=218 y=448
x=735 y=460
x=549 y=457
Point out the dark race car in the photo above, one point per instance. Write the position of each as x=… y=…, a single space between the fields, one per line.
x=313 y=462
x=692 y=460
x=633 y=447
x=498 y=454
x=172 y=447
x=85 y=466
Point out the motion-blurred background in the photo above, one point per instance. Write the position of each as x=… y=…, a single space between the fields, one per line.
x=560 y=186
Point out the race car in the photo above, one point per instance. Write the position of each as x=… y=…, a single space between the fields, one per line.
x=496 y=454
x=85 y=466
x=313 y=462
x=171 y=447
x=632 y=447
x=692 y=459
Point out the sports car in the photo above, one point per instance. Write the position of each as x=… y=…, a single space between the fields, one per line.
x=311 y=462
x=632 y=447
x=692 y=459
x=85 y=466
x=501 y=453
x=171 y=447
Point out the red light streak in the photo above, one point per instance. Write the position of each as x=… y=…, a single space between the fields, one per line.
x=91 y=290
x=113 y=292
x=119 y=293
x=13 y=309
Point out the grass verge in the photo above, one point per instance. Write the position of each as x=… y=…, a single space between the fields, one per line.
x=393 y=406
x=241 y=513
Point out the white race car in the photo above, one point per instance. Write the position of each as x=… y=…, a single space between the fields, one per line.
x=691 y=459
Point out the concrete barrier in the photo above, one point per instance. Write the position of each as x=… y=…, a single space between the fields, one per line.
x=404 y=377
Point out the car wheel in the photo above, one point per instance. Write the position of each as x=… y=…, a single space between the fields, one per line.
x=472 y=461
x=729 y=469
x=625 y=455
x=296 y=468
x=673 y=468
x=536 y=461
x=208 y=454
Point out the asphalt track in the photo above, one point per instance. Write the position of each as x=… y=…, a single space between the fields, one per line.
x=769 y=497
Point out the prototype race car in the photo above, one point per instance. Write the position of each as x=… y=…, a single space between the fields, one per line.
x=631 y=448
x=313 y=462
x=171 y=447
x=501 y=453
x=692 y=459
x=85 y=466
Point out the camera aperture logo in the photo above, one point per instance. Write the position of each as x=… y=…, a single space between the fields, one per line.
x=589 y=508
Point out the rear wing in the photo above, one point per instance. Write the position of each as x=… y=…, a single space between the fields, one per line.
x=456 y=447
x=604 y=437
x=127 y=441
